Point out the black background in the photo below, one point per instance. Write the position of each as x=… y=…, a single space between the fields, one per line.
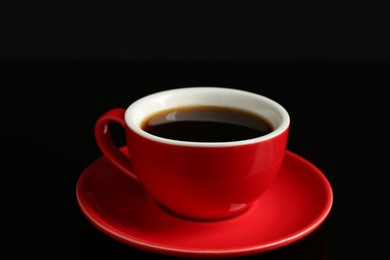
x=196 y=30
x=64 y=64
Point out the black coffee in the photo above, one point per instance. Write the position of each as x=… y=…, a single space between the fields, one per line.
x=206 y=124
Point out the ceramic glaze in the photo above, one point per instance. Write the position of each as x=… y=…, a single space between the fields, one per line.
x=293 y=207
x=200 y=180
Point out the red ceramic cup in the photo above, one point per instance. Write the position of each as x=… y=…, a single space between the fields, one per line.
x=198 y=180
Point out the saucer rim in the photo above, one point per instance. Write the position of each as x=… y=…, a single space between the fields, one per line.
x=143 y=244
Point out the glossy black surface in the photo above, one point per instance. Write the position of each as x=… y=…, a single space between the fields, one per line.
x=339 y=121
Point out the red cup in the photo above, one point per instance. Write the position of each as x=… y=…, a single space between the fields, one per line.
x=198 y=180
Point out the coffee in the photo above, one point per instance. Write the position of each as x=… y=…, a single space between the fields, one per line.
x=206 y=124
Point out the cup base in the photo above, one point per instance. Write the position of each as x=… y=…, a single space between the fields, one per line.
x=204 y=218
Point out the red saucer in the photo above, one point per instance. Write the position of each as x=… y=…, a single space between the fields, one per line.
x=295 y=205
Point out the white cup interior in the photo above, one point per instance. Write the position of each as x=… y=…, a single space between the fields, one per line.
x=207 y=96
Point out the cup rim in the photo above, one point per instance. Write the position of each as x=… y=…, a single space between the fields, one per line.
x=281 y=128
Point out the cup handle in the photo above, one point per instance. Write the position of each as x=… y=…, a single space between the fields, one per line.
x=106 y=144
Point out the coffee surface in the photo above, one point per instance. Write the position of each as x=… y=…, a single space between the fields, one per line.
x=206 y=124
